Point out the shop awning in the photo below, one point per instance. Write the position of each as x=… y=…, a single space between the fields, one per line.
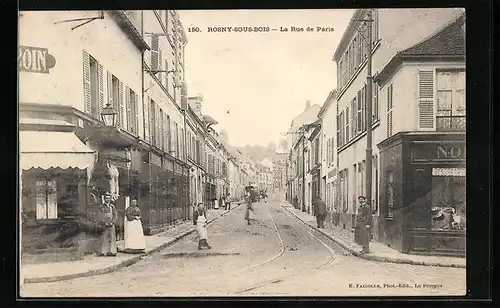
x=53 y=149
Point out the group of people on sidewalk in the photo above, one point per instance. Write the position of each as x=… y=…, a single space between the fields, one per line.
x=362 y=233
x=134 y=235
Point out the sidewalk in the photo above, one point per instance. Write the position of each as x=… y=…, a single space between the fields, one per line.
x=94 y=265
x=378 y=251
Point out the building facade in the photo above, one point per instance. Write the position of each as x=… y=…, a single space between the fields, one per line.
x=328 y=118
x=78 y=79
x=392 y=31
x=297 y=136
x=427 y=148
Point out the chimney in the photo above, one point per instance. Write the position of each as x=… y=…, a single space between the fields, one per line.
x=308 y=105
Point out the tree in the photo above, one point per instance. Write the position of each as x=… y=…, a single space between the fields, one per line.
x=272 y=146
x=283 y=144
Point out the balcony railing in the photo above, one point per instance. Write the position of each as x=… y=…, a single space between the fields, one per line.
x=450 y=123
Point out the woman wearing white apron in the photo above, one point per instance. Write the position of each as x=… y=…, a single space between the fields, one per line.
x=134 y=235
x=200 y=221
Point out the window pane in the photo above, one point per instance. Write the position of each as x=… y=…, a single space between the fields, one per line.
x=445 y=80
x=41 y=199
x=51 y=200
x=448 y=201
x=444 y=103
x=459 y=103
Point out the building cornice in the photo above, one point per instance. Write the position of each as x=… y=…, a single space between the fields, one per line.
x=126 y=25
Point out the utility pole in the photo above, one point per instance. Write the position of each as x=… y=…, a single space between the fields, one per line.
x=369 y=111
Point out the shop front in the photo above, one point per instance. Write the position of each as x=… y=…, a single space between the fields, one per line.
x=55 y=167
x=422 y=193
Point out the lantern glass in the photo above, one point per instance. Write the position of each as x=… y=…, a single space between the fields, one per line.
x=108 y=115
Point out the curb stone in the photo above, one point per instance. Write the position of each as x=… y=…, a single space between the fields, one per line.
x=358 y=254
x=124 y=263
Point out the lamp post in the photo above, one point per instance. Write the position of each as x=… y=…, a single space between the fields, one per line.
x=108 y=115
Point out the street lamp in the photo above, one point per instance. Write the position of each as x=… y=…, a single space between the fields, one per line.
x=108 y=115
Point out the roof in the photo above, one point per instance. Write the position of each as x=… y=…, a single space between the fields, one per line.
x=446 y=44
x=448 y=41
x=328 y=102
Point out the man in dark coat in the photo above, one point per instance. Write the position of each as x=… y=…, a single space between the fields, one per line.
x=363 y=224
x=319 y=211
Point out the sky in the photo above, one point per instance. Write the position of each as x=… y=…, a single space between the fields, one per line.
x=254 y=83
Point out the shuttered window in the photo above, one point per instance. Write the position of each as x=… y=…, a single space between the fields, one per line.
x=145 y=106
x=339 y=125
x=389 y=111
x=93 y=86
x=347 y=127
x=152 y=121
x=426 y=115
x=162 y=131
x=166 y=145
x=375 y=115
x=169 y=135
x=354 y=113
x=359 y=115
x=132 y=111
x=363 y=108
x=177 y=145
x=154 y=52
x=128 y=105
x=328 y=151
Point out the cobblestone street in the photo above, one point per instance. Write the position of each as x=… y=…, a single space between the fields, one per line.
x=255 y=261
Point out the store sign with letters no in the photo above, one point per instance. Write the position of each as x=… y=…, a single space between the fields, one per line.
x=439 y=152
x=34 y=60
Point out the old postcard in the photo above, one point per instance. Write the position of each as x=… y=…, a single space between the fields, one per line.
x=235 y=153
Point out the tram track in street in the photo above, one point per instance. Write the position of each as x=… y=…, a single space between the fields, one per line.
x=331 y=259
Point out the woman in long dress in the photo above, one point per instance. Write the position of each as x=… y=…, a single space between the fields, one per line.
x=200 y=221
x=134 y=234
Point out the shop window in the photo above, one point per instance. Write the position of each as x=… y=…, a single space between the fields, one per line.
x=390 y=193
x=46 y=199
x=448 y=199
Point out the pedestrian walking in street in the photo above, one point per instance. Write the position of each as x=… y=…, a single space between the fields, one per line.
x=134 y=234
x=319 y=211
x=200 y=221
x=362 y=235
x=248 y=210
x=107 y=218
x=216 y=204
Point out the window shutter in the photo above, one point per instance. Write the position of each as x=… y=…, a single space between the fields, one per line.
x=137 y=118
x=363 y=108
x=389 y=123
x=426 y=113
x=100 y=78
x=110 y=90
x=121 y=105
x=375 y=102
x=145 y=105
x=354 y=112
x=165 y=133
x=348 y=136
x=86 y=83
x=154 y=52
x=128 y=105
x=162 y=131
